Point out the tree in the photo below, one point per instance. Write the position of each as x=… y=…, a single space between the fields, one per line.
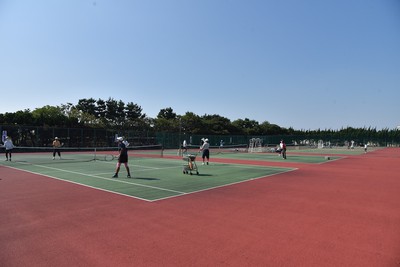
x=166 y=121
x=215 y=124
x=267 y=128
x=133 y=111
x=86 y=111
x=87 y=106
x=191 y=123
x=71 y=114
x=101 y=111
x=249 y=127
x=134 y=116
x=120 y=113
x=112 y=111
x=166 y=113
x=49 y=115
x=19 y=117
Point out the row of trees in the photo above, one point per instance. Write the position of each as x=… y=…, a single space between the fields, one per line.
x=87 y=113
x=115 y=114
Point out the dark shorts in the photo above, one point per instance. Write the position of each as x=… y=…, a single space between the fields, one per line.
x=123 y=158
x=206 y=153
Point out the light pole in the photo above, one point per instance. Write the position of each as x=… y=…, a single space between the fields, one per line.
x=180 y=132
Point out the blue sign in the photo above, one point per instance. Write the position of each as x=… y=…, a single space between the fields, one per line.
x=4 y=136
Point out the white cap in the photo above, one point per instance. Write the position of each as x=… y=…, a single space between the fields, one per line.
x=120 y=138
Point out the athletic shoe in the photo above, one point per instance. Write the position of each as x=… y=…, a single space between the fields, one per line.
x=115 y=176
x=128 y=176
x=202 y=163
x=207 y=162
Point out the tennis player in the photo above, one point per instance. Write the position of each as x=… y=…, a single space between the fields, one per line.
x=56 y=148
x=205 y=149
x=184 y=146
x=122 y=158
x=282 y=146
x=8 y=144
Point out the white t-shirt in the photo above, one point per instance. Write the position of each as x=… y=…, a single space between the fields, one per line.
x=126 y=143
x=8 y=144
x=205 y=146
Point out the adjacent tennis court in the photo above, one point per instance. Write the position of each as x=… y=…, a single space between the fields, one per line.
x=295 y=156
x=275 y=157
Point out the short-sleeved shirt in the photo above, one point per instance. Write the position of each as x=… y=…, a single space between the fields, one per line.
x=8 y=144
x=205 y=146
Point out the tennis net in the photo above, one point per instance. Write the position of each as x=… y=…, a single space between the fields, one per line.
x=240 y=148
x=44 y=155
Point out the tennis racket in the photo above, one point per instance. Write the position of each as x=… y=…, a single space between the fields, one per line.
x=109 y=157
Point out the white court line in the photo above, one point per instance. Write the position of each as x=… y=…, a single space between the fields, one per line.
x=141 y=166
x=152 y=168
x=154 y=187
x=219 y=186
x=99 y=177
x=72 y=182
x=136 y=171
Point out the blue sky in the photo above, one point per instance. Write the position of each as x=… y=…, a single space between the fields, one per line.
x=309 y=64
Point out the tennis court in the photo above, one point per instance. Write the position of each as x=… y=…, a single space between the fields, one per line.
x=153 y=176
x=335 y=150
x=304 y=158
x=312 y=156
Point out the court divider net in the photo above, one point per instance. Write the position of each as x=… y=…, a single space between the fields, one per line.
x=46 y=155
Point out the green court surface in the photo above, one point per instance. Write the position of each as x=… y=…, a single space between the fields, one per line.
x=335 y=151
x=276 y=157
x=152 y=178
x=300 y=155
x=266 y=156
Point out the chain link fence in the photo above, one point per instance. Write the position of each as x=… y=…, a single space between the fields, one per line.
x=35 y=136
